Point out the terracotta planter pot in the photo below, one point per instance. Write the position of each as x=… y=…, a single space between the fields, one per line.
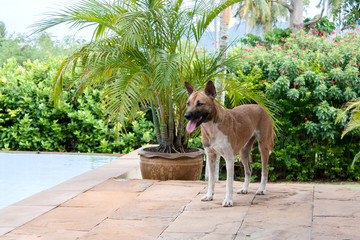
x=171 y=166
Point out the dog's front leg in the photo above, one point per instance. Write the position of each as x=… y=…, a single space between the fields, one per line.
x=228 y=202
x=211 y=163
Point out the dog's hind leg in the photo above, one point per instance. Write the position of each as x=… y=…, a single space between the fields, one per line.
x=265 y=153
x=211 y=163
x=245 y=159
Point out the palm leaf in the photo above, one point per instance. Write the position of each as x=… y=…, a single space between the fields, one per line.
x=356 y=158
x=352 y=107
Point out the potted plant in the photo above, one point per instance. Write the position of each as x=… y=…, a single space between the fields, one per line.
x=142 y=52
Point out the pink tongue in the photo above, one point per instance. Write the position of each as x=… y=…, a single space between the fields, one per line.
x=191 y=126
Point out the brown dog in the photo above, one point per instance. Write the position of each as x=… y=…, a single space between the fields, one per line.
x=227 y=132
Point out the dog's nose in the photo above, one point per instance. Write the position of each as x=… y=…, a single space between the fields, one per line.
x=187 y=115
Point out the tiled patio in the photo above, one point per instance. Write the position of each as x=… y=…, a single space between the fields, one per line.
x=124 y=208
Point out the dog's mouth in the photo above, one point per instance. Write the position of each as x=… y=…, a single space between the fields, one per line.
x=193 y=124
x=196 y=120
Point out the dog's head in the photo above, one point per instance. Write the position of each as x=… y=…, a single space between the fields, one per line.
x=200 y=105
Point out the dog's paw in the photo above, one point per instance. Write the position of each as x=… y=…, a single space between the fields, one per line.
x=242 y=191
x=260 y=192
x=227 y=203
x=207 y=198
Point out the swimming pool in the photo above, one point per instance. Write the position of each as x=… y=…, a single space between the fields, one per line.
x=24 y=174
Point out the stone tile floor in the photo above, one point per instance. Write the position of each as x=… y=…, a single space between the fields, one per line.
x=127 y=209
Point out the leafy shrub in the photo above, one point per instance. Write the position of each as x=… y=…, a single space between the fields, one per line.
x=310 y=78
x=323 y=26
x=275 y=36
x=28 y=120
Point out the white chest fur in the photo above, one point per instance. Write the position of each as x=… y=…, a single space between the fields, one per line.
x=217 y=141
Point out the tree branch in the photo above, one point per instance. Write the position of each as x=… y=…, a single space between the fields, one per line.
x=318 y=18
x=288 y=6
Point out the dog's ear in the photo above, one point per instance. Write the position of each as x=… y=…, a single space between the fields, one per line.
x=210 y=90
x=190 y=89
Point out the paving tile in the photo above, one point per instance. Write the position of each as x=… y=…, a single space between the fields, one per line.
x=220 y=220
x=71 y=218
x=26 y=233
x=285 y=194
x=334 y=228
x=290 y=214
x=14 y=216
x=134 y=173
x=125 y=185
x=336 y=208
x=141 y=209
x=122 y=163
x=181 y=182
x=239 y=200
x=337 y=193
x=301 y=186
x=163 y=191
x=220 y=187
x=112 y=229
x=101 y=199
x=4 y=230
x=274 y=231
x=90 y=179
x=292 y=221
x=195 y=236
x=50 y=197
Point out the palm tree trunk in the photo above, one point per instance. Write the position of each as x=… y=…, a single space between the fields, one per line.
x=223 y=44
x=246 y=26
x=296 y=15
x=296 y=11
x=171 y=124
x=156 y=123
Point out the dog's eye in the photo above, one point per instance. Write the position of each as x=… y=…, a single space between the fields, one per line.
x=188 y=104
x=199 y=104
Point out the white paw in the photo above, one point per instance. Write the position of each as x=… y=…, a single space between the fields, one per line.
x=227 y=203
x=242 y=191
x=260 y=192
x=207 y=197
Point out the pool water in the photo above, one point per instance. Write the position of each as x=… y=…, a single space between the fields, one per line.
x=24 y=174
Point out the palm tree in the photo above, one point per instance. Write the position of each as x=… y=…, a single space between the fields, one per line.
x=141 y=53
x=352 y=107
x=260 y=12
x=296 y=11
x=222 y=46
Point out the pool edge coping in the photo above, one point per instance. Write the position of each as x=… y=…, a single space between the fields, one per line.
x=23 y=211
x=70 y=153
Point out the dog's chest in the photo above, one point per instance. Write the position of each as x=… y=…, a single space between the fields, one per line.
x=215 y=140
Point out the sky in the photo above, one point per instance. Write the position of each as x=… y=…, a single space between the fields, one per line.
x=18 y=15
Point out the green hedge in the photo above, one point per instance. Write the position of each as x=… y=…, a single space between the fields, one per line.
x=310 y=78
x=28 y=120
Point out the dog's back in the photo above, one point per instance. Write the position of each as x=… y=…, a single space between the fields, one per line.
x=247 y=121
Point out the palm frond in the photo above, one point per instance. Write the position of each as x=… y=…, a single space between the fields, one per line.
x=82 y=15
x=207 y=17
x=123 y=96
x=356 y=158
x=353 y=124
x=352 y=107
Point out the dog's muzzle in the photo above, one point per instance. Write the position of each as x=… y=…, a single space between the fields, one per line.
x=195 y=119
